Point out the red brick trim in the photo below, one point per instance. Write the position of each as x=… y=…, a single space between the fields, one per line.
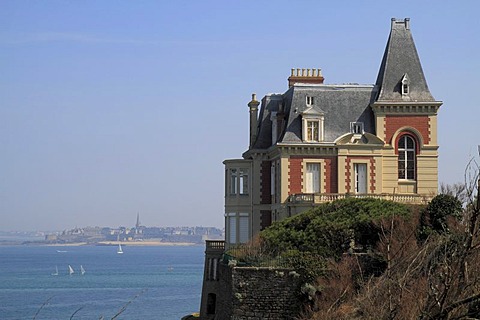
x=410 y=134
x=394 y=123
x=265 y=188
x=348 y=173
x=348 y=180
x=295 y=175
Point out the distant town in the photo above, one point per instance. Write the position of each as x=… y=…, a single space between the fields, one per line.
x=137 y=235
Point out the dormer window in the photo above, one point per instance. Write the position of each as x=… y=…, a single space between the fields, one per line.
x=356 y=127
x=309 y=100
x=405 y=85
x=313 y=129
x=312 y=124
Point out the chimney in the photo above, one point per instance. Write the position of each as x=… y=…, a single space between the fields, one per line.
x=305 y=76
x=253 y=105
x=405 y=22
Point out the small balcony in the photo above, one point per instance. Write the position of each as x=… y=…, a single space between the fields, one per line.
x=317 y=198
x=213 y=246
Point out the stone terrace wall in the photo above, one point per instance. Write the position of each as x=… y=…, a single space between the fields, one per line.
x=259 y=294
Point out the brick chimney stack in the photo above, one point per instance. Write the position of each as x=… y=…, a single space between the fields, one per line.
x=305 y=76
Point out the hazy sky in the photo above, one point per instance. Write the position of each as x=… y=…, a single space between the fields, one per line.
x=113 y=108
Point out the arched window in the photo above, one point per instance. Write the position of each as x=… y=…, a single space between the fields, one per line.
x=406 y=158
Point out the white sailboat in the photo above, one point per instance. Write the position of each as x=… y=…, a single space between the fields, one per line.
x=82 y=271
x=56 y=271
x=70 y=270
x=119 y=250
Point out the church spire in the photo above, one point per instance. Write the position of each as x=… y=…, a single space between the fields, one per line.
x=401 y=58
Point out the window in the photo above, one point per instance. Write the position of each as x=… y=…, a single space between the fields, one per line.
x=406 y=158
x=243 y=181
x=312 y=124
x=312 y=178
x=232 y=228
x=309 y=100
x=312 y=131
x=239 y=181
x=233 y=181
x=405 y=85
x=356 y=127
x=243 y=228
x=360 y=178
x=238 y=227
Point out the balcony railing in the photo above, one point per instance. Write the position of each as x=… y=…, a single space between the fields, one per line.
x=316 y=198
x=215 y=245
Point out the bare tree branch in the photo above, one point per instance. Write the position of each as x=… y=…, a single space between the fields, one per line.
x=124 y=307
x=41 y=307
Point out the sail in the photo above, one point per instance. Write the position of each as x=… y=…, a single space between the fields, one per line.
x=56 y=271
x=119 y=249
x=82 y=271
x=70 y=270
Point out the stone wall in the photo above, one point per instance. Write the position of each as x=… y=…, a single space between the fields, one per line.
x=251 y=293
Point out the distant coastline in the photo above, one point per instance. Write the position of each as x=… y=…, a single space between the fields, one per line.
x=100 y=243
x=106 y=236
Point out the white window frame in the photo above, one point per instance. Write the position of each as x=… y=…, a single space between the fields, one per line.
x=356 y=174
x=321 y=175
x=320 y=130
x=405 y=85
x=309 y=100
x=313 y=176
x=405 y=152
x=357 y=127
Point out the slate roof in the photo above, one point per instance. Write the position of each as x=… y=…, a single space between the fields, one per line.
x=401 y=58
x=339 y=105
x=342 y=104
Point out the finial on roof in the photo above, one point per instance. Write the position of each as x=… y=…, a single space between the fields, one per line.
x=254 y=103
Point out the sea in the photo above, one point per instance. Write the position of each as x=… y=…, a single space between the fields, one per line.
x=145 y=282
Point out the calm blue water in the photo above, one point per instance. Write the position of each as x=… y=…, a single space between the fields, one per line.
x=167 y=279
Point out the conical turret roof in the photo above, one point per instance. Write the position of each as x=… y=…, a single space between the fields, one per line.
x=401 y=61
